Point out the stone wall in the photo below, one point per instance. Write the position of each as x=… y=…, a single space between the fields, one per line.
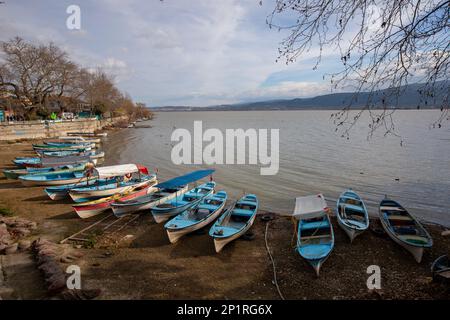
x=41 y=130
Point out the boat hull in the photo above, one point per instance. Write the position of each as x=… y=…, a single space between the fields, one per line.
x=175 y=234
x=220 y=243
x=121 y=209
x=417 y=252
x=161 y=216
x=82 y=196
x=35 y=183
x=88 y=211
x=351 y=233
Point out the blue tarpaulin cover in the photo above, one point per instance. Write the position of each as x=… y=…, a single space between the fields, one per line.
x=184 y=180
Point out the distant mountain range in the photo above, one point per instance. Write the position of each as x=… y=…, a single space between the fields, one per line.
x=411 y=97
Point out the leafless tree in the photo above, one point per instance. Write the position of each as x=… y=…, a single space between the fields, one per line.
x=382 y=44
x=37 y=74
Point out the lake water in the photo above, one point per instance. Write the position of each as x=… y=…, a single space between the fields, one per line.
x=313 y=158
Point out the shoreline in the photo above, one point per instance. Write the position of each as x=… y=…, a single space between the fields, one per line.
x=140 y=263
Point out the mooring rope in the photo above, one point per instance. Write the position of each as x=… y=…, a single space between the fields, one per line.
x=273 y=263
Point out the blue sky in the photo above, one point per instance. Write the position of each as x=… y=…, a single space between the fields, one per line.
x=175 y=52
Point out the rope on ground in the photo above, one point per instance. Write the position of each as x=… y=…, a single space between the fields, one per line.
x=273 y=263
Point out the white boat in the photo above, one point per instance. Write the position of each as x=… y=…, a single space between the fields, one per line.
x=234 y=222
x=352 y=215
x=79 y=139
x=404 y=228
x=197 y=217
x=123 y=180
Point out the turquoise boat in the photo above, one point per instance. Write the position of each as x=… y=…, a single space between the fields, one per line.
x=52 y=178
x=70 y=144
x=61 y=192
x=171 y=208
x=196 y=217
x=47 y=147
x=315 y=236
x=235 y=221
x=46 y=162
x=16 y=173
x=352 y=215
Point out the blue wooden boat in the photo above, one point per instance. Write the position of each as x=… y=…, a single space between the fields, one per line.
x=171 y=208
x=37 y=162
x=404 y=228
x=196 y=217
x=61 y=192
x=16 y=173
x=69 y=144
x=61 y=154
x=52 y=178
x=315 y=236
x=235 y=221
x=352 y=215
x=47 y=147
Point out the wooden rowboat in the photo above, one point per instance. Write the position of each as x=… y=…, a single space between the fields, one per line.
x=234 y=222
x=164 y=211
x=352 y=215
x=124 y=171
x=16 y=173
x=52 y=178
x=315 y=236
x=92 y=208
x=404 y=228
x=440 y=269
x=196 y=217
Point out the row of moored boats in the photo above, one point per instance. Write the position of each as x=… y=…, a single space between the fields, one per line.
x=66 y=167
x=131 y=188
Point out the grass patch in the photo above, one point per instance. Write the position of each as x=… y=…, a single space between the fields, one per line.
x=6 y=212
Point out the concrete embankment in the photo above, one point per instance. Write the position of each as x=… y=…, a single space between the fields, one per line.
x=50 y=129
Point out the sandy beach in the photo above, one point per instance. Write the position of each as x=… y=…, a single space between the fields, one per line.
x=138 y=262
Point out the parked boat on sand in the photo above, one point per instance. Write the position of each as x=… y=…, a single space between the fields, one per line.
x=352 y=215
x=235 y=221
x=16 y=173
x=92 y=208
x=126 y=171
x=196 y=217
x=315 y=236
x=52 y=178
x=168 y=209
x=404 y=228
x=168 y=190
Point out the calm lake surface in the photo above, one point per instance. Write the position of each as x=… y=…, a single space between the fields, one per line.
x=313 y=158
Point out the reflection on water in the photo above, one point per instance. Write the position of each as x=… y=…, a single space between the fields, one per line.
x=312 y=158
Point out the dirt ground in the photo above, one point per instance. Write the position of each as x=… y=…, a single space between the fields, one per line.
x=139 y=262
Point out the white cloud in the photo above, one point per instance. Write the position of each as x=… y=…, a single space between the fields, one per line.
x=202 y=52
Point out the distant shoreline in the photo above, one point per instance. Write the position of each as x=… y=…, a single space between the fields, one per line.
x=207 y=109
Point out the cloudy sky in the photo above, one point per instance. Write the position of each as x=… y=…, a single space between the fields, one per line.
x=174 y=52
